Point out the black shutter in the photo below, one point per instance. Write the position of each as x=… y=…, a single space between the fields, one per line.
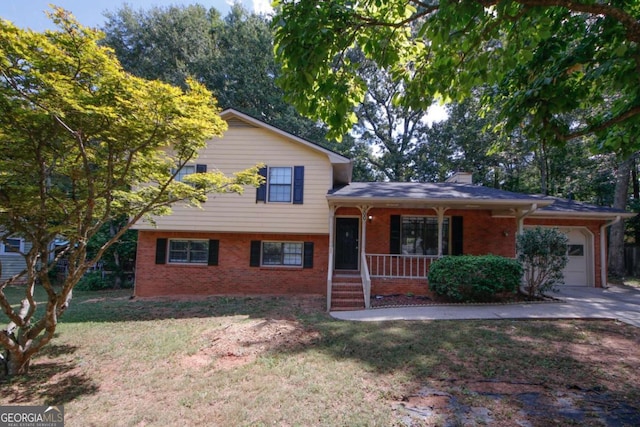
x=214 y=249
x=456 y=235
x=201 y=168
x=308 y=255
x=394 y=235
x=161 y=251
x=298 y=185
x=254 y=257
x=261 y=192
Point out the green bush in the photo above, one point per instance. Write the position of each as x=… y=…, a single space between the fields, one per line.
x=93 y=281
x=543 y=254
x=474 y=278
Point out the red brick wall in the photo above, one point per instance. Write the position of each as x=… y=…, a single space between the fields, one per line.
x=399 y=286
x=482 y=234
x=232 y=275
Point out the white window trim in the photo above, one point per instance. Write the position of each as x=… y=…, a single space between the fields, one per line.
x=186 y=262
x=3 y=250
x=269 y=168
x=282 y=242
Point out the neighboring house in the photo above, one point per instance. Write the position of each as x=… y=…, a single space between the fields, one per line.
x=309 y=230
x=11 y=260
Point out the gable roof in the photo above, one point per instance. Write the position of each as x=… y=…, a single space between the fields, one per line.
x=342 y=166
x=465 y=196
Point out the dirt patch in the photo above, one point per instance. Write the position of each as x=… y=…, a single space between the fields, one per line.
x=237 y=344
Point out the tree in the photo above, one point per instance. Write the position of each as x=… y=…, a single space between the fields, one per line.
x=393 y=132
x=543 y=255
x=83 y=143
x=233 y=57
x=584 y=56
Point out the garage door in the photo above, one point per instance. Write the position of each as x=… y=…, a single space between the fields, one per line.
x=579 y=269
x=576 y=273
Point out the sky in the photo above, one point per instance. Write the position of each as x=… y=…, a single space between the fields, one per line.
x=31 y=13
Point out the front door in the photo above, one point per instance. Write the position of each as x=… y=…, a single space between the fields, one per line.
x=347 y=243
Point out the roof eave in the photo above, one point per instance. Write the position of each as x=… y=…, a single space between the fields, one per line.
x=453 y=202
x=582 y=215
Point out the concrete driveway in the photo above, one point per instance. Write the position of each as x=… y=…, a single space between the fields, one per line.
x=615 y=302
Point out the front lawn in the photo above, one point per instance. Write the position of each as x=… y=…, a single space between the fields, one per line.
x=283 y=361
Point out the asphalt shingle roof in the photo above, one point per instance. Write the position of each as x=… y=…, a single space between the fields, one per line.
x=407 y=191
x=426 y=190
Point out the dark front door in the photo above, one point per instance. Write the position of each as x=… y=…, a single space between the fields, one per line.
x=347 y=243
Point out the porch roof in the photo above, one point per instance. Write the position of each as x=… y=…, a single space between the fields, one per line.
x=414 y=194
x=465 y=196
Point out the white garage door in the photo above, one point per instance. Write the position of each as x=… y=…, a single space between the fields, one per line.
x=576 y=273
x=579 y=270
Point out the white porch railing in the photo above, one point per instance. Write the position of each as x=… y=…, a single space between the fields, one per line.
x=399 y=266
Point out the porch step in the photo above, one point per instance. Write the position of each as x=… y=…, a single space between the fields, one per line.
x=347 y=296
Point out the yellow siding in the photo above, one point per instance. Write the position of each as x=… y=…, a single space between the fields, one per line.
x=244 y=147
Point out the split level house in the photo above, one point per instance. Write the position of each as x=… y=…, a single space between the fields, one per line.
x=310 y=230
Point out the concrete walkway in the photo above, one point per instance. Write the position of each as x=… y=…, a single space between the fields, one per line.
x=616 y=302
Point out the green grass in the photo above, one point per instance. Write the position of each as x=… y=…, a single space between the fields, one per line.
x=283 y=361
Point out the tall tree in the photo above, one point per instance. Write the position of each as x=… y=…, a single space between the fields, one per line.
x=393 y=132
x=232 y=56
x=585 y=53
x=83 y=143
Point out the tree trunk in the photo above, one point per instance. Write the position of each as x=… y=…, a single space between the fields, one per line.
x=117 y=273
x=636 y=198
x=616 y=234
x=14 y=364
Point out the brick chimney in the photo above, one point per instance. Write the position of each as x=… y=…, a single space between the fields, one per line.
x=461 y=178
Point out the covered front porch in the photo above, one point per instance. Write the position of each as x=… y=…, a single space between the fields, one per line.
x=384 y=245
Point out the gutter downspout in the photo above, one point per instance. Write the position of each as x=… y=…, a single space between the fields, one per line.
x=603 y=254
x=522 y=215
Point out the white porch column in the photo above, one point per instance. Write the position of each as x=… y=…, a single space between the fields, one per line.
x=364 y=210
x=440 y=212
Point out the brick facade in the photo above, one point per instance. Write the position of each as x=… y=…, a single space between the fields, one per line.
x=482 y=234
x=232 y=275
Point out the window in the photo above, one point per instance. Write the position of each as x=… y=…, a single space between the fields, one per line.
x=188 y=170
x=280 y=185
x=189 y=251
x=420 y=235
x=575 y=250
x=12 y=246
x=282 y=253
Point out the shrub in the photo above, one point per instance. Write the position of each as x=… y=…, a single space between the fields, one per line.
x=543 y=254
x=93 y=281
x=474 y=278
